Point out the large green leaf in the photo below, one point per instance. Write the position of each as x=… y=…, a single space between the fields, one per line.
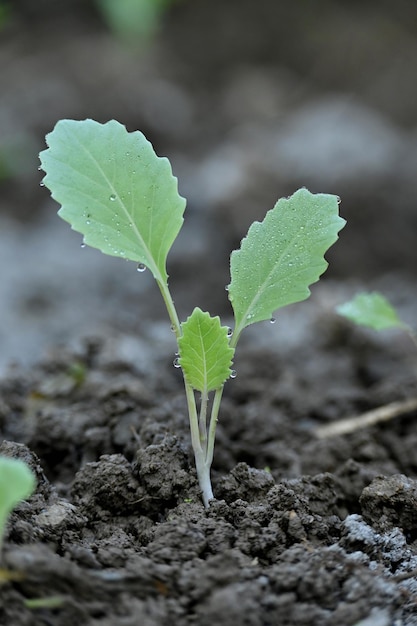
x=372 y=310
x=205 y=354
x=281 y=256
x=114 y=190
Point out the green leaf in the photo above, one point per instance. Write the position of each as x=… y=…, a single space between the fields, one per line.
x=281 y=256
x=205 y=354
x=371 y=310
x=17 y=482
x=133 y=19
x=114 y=190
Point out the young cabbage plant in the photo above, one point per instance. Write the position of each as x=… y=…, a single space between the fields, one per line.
x=17 y=482
x=124 y=200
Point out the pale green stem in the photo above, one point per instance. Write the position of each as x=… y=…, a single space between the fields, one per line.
x=214 y=416
x=169 y=303
x=203 y=470
x=213 y=423
x=195 y=433
x=215 y=410
x=202 y=422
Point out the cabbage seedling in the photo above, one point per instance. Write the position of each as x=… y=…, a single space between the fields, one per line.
x=124 y=200
x=17 y=482
x=374 y=311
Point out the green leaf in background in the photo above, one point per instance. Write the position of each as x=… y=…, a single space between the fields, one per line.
x=114 y=190
x=136 y=20
x=371 y=310
x=205 y=354
x=5 y=13
x=17 y=482
x=282 y=255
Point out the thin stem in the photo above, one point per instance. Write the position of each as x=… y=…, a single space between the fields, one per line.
x=203 y=469
x=202 y=422
x=213 y=423
x=215 y=408
x=192 y=414
x=203 y=472
x=202 y=440
x=235 y=337
x=169 y=303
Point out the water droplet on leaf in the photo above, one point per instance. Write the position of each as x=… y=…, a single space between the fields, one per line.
x=112 y=197
x=272 y=320
x=233 y=374
x=176 y=362
x=141 y=267
x=229 y=332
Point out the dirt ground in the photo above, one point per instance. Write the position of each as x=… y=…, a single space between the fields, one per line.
x=308 y=528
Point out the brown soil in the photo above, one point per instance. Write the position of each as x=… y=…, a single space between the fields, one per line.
x=304 y=530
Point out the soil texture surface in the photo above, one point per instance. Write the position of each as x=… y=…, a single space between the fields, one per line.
x=306 y=528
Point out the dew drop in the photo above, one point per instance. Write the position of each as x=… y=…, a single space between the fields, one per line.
x=141 y=267
x=41 y=184
x=88 y=222
x=176 y=362
x=229 y=331
x=227 y=287
x=112 y=197
x=272 y=320
x=172 y=328
x=233 y=374
x=339 y=199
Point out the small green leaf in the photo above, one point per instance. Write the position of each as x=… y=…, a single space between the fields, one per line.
x=205 y=354
x=17 y=482
x=372 y=310
x=133 y=19
x=114 y=190
x=281 y=256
